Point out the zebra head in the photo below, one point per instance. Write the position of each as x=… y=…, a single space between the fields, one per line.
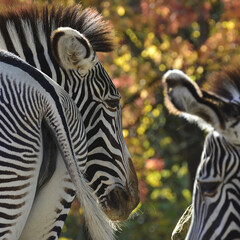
x=216 y=209
x=109 y=168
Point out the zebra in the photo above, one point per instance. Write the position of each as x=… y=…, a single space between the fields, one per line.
x=216 y=193
x=27 y=98
x=62 y=43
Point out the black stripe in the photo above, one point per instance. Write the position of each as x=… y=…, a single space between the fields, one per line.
x=26 y=49
x=56 y=229
x=61 y=217
x=44 y=65
x=14 y=188
x=9 y=217
x=12 y=206
x=69 y=191
x=20 y=196
x=5 y=225
x=85 y=44
x=6 y=37
x=65 y=204
x=54 y=44
x=15 y=179
x=14 y=166
x=52 y=237
x=5 y=232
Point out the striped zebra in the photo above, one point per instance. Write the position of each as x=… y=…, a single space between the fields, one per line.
x=28 y=98
x=216 y=195
x=62 y=43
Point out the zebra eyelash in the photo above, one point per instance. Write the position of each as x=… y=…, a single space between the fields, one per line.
x=113 y=103
x=208 y=189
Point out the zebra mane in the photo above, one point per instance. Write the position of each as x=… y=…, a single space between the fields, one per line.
x=87 y=21
x=225 y=84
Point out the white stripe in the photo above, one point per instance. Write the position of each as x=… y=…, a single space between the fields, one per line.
x=2 y=42
x=30 y=40
x=15 y=39
x=43 y=41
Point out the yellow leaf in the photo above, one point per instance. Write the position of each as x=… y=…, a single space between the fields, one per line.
x=154 y=179
x=125 y=132
x=187 y=195
x=121 y=10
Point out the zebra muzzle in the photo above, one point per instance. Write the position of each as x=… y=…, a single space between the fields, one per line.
x=118 y=205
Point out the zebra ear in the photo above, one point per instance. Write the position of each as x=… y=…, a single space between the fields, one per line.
x=183 y=97
x=72 y=50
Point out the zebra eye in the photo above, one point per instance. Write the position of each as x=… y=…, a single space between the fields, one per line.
x=208 y=189
x=113 y=103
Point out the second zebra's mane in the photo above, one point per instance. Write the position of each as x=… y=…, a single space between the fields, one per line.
x=87 y=21
x=225 y=84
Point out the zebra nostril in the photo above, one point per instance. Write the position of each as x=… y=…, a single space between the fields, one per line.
x=118 y=204
x=112 y=197
x=117 y=198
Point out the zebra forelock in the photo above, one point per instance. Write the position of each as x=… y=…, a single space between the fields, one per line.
x=87 y=21
x=225 y=84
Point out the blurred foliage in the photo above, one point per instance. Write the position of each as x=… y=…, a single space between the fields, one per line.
x=152 y=36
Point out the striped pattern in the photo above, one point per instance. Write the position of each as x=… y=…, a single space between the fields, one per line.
x=217 y=192
x=216 y=208
x=28 y=98
x=109 y=169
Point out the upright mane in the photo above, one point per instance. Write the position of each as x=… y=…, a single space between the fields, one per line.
x=225 y=84
x=87 y=21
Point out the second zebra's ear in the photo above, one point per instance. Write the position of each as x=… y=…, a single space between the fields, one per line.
x=183 y=97
x=72 y=50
